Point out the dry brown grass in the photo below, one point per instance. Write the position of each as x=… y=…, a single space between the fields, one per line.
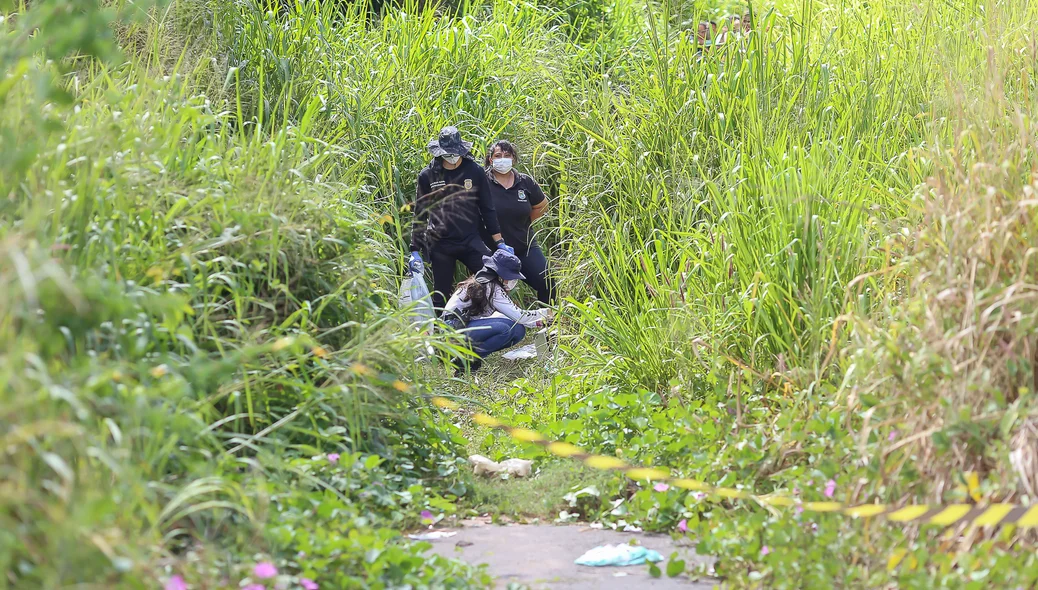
x=951 y=362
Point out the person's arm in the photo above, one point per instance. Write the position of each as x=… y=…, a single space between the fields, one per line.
x=538 y=201
x=503 y=303
x=421 y=213
x=486 y=207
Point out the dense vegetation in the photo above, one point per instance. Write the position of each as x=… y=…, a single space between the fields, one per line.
x=798 y=263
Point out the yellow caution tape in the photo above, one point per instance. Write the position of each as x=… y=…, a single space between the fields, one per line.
x=946 y=515
x=999 y=514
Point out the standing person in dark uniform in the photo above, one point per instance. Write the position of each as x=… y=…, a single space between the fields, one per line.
x=519 y=202
x=453 y=206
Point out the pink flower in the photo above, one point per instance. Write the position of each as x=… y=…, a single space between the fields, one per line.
x=764 y=550
x=798 y=509
x=892 y=436
x=683 y=525
x=830 y=488
x=255 y=587
x=698 y=495
x=427 y=517
x=661 y=487
x=333 y=458
x=176 y=583
x=264 y=570
x=308 y=584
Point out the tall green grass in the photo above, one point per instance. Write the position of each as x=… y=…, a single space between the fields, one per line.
x=202 y=240
x=766 y=172
x=189 y=286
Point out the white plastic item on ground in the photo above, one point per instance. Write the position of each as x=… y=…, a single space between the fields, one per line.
x=517 y=467
x=523 y=352
x=618 y=555
x=432 y=535
x=539 y=348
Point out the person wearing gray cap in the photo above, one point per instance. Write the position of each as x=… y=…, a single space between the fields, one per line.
x=482 y=310
x=452 y=204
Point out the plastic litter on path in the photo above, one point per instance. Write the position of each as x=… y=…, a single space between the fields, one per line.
x=432 y=535
x=618 y=555
x=540 y=557
x=517 y=467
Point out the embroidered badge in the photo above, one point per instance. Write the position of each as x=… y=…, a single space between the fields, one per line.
x=522 y=195
x=468 y=183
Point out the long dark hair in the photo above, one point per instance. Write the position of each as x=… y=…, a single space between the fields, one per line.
x=506 y=147
x=475 y=291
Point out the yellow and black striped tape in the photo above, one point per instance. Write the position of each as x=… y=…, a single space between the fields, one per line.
x=943 y=515
x=997 y=514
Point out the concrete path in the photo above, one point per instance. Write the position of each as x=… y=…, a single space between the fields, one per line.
x=541 y=556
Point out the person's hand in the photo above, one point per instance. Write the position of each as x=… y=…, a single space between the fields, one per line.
x=414 y=263
x=546 y=319
x=503 y=246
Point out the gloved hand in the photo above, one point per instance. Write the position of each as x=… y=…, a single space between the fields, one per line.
x=501 y=245
x=415 y=264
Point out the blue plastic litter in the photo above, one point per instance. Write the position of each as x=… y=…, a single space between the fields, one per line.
x=619 y=555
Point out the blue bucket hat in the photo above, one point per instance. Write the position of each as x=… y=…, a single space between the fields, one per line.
x=505 y=265
x=449 y=142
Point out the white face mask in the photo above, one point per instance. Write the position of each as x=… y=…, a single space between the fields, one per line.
x=502 y=165
x=452 y=160
x=509 y=285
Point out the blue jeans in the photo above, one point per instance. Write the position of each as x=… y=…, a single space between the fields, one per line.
x=489 y=335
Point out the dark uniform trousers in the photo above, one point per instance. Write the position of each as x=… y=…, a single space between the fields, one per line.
x=444 y=256
x=535 y=269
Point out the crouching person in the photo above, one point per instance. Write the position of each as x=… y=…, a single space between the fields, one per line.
x=481 y=308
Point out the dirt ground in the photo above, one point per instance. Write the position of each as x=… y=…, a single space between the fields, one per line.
x=541 y=556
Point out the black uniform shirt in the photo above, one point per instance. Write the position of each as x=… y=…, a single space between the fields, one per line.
x=514 y=205
x=452 y=206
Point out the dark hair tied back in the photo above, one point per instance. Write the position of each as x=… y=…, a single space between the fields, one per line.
x=506 y=147
x=478 y=294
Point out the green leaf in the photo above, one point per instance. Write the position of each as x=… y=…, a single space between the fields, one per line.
x=654 y=571
x=675 y=567
x=1009 y=420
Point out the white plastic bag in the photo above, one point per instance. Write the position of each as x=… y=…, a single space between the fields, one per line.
x=414 y=290
x=516 y=467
